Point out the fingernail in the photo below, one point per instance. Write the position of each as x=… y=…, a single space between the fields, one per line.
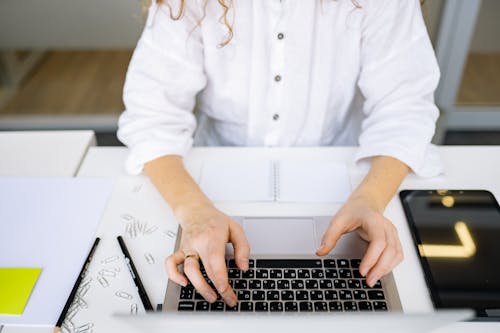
x=321 y=247
x=212 y=298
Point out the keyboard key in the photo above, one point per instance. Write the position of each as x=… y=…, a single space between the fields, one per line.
x=262 y=274
x=258 y=295
x=331 y=273
x=254 y=284
x=185 y=306
x=269 y=284
x=342 y=263
x=261 y=307
x=283 y=284
x=217 y=306
x=305 y=306
x=276 y=307
x=250 y=274
x=345 y=294
x=246 y=306
x=357 y=274
x=232 y=308
x=290 y=274
x=365 y=306
x=379 y=306
x=302 y=295
x=289 y=263
x=197 y=296
x=350 y=306
x=311 y=284
x=355 y=263
x=331 y=295
x=186 y=293
x=304 y=274
x=287 y=295
x=376 y=294
x=297 y=284
x=233 y=273
x=189 y=286
x=335 y=306
x=232 y=264
x=326 y=284
x=317 y=273
x=202 y=306
x=339 y=284
x=329 y=263
x=316 y=295
x=320 y=306
x=251 y=263
x=243 y=295
x=377 y=285
x=345 y=273
x=276 y=274
x=240 y=284
x=354 y=284
x=273 y=295
x=291 y=307
x=360 y=295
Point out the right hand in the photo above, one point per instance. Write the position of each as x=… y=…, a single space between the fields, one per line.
x=205 y=233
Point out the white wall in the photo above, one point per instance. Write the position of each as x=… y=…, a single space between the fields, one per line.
x=69 y=23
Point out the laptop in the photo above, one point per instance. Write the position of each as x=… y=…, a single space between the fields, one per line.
x=285 y=275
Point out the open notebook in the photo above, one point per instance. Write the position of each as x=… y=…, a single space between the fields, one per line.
x=283 y=181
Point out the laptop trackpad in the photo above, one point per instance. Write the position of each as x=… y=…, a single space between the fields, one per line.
x=280 y=236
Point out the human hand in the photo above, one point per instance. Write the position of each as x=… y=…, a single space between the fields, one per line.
x=205 y=233
x=362 y=214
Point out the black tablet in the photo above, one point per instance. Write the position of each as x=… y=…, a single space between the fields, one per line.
x=457 y=235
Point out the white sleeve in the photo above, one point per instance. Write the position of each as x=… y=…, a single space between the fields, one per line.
x=398 y=77
x=164 y=75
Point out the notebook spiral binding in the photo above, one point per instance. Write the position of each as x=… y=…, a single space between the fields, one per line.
x=276 y=180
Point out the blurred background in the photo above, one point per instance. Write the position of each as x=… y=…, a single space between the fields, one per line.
x=63 y=65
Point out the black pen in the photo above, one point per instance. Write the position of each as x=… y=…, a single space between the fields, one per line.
x=75 y=287
x=135 y=276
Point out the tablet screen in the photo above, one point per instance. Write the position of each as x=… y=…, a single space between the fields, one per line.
x=457 y=234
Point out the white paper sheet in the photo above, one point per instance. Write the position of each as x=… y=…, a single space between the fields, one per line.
x=49 y=223
x=284 y=181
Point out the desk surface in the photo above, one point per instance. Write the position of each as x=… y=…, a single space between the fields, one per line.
x=135 y=199
x=43 y=153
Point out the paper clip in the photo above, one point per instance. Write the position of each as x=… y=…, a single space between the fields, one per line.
x=170 y=233
x=141 y=226
x=81 y=303
x=149 y=258
x=103 y=281
x=84 y=328
x=151 y=230
x=83 y=290
x=109 y=259
x=123 y=294
x=137 y=188
x=128 y=217
x=107 y=272
x=133 y=309
x=72 y=313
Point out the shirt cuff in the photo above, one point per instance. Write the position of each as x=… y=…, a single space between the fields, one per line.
x=427 y=164
x=142 y=153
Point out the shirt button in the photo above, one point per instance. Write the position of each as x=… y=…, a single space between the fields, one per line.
x=281 y=36
x=276 y=116
x=277 y=78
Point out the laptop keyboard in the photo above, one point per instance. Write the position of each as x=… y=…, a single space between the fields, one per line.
x=292 y=285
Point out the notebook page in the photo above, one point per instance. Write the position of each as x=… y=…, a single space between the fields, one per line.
x=313 y=181
x=237 y=180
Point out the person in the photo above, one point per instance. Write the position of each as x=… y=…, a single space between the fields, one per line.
x=281 y=73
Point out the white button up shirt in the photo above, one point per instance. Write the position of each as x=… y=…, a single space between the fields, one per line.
x=295 y=73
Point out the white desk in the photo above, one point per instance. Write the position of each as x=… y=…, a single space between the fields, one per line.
x=465 y=167
x=43 y=153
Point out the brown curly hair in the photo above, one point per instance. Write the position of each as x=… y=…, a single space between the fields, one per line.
x=226 y=6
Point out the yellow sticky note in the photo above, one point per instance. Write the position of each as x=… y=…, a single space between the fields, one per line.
x=16 y=285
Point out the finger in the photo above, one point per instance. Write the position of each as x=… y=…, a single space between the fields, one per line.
x=216 y=269
x=331 y=236
x=171 y=263
x=192 y=271
x=385 y=263
x=240 y=245
x=376 y=234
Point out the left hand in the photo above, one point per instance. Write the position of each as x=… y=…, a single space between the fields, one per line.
x=361 y=213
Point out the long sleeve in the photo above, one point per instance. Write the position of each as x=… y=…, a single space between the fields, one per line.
x=398 y=77
x=165 y=74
